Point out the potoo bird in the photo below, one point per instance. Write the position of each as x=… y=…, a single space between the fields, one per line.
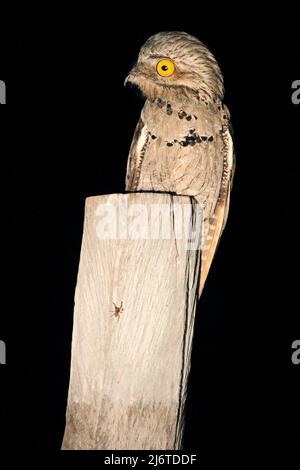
x=182 y=143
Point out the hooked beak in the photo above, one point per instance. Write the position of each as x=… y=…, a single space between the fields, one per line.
x=131 y=76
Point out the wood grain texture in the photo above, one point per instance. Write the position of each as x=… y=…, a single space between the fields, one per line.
x=129 y=374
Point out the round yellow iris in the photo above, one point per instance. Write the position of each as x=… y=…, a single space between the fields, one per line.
x=165 y=67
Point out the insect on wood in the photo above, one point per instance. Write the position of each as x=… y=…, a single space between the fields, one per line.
x=118 y=310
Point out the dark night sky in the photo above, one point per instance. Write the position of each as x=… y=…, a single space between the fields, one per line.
x=66 y=131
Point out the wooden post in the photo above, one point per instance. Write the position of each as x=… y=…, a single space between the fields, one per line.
x=134 y=313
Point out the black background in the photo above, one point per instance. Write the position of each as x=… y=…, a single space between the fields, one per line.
x=65 y=135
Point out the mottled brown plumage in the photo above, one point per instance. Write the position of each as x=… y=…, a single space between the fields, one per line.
x=182 y=143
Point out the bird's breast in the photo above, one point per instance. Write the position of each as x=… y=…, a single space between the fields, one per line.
x=184 y=150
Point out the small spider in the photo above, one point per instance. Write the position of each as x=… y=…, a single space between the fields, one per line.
x=116 y=312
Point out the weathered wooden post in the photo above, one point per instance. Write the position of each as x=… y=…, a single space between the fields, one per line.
x=135 y=306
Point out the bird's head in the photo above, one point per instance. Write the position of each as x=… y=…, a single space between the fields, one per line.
x=176 y=65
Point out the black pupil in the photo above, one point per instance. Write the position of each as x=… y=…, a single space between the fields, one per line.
x=164 y=68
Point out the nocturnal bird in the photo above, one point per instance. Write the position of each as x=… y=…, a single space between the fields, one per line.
x=182 y=143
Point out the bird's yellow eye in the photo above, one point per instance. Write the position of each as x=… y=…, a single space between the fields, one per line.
x=165 y=67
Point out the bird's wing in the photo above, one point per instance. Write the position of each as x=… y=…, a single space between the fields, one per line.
x=214 y=225
x=137 y=150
